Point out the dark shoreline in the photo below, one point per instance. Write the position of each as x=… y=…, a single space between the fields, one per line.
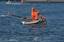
x=37 y=1
x=47 y=1
x=43 y=2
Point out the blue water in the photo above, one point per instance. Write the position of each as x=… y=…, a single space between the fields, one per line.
x=11 y=29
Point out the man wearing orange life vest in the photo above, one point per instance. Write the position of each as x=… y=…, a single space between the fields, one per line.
x=35 y=14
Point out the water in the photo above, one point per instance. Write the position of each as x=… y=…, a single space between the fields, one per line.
x=11 y=29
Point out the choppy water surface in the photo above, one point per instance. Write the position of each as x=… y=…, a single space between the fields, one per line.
x=11 y=29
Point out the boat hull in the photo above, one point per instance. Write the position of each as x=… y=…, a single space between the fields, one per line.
x=32 y=22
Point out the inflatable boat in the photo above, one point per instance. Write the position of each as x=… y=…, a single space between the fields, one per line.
x=29 y=21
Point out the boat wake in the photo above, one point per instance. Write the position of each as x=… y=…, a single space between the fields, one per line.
x=14 y=3
x=3 y=15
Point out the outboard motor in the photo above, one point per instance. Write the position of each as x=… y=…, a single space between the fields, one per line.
x=43 y=18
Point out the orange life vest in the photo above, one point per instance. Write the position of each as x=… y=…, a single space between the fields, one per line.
x=34 y=14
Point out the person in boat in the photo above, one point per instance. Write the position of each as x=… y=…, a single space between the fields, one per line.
x=35 y=14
